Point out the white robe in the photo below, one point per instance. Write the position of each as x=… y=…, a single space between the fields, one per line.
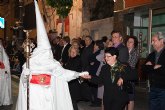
x=53 y=97
x=56 y=96
x=5 y=79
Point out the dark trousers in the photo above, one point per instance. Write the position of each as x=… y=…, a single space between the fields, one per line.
x=94 y=89
x=85 y=91
x=157 y=99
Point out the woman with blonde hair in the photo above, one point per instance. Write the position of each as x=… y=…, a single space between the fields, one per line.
x=74 y=63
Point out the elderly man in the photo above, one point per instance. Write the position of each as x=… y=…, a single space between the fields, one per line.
x=155 y=67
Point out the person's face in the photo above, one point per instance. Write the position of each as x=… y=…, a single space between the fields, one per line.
x=110 y=60
x=130 y=43
x=75 y=44
x=61 y=43
x=64 y=42
x=87 y=41
x=116 y=38
x=73 y=53
x=57 y=40
x=109 y=43
x=54 y=41
x=156 y=43
x=95 y=48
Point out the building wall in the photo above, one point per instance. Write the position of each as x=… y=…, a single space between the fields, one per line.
x=97 y=9
x=49 y=15
x=87 y=8
x=131 y=7
x=119 y=5
x=135 y=20
x=76 y=23
x=97 y=20
x=98 y=28
x=72 y=27
x=75 y=19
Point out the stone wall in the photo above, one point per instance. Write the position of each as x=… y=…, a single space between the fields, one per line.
x=75 y=19
x=98 y=28
x=97 y=9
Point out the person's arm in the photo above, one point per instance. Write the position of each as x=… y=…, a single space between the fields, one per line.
x=64 y=74
x=148 y=66
x=95 y=79
x=160 y=70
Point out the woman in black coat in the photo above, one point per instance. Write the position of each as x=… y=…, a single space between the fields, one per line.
x=74 y=63
x=113 y=76
x=93 y=67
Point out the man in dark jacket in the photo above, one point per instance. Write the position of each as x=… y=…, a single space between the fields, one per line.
x=57 y=48
x=64 y=53
x=85 y=55
x=118 y=43
x=155 y=67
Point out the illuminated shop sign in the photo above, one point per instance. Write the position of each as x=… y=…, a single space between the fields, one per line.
x=2 y=22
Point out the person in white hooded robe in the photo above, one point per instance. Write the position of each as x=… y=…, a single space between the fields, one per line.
x=48 y=81
x=5 y=78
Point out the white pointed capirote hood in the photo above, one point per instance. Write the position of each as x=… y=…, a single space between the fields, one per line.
x=42 y=57
x=42 y=38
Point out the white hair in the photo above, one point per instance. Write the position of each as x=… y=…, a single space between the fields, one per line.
x=161 y=35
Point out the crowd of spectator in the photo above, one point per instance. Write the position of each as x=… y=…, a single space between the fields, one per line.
x=93 y=56
x=83 y=55
x=88 y=55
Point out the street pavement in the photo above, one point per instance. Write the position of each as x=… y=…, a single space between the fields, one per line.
x=140 y=99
